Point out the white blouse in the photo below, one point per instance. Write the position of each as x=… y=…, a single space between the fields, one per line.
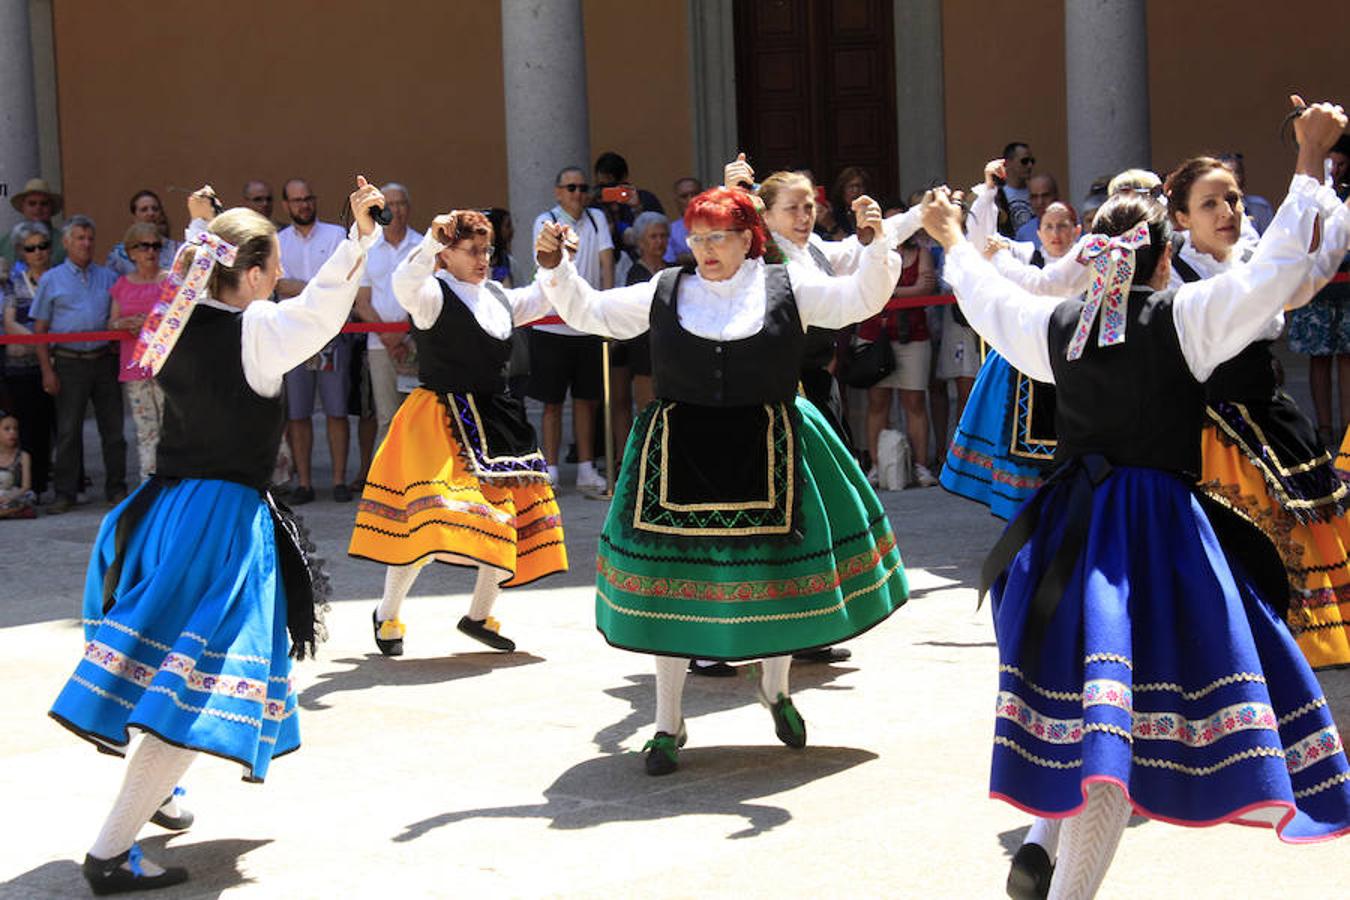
x=414 y=283
x=277 y=337
x=845 y=255
x=1215 y=318
x=727 y=310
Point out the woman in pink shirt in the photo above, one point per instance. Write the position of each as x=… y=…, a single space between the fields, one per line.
x=133 y=296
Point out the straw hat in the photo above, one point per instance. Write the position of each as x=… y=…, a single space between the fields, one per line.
x=36 y=186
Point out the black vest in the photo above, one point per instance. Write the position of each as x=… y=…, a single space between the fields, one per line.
x=1136 y=403
x=819 y=341
x=762 y=368
x=455 y=355
x=215 y=425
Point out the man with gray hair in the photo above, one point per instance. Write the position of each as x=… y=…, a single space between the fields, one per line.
x=375 y=302
x=74 y=296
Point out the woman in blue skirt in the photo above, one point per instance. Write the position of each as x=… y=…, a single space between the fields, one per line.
x=1144 y=663
x=196 y=579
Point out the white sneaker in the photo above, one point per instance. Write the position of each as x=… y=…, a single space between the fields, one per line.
x=553 y=475
x=590 y=480
x=923 y=477
x=873 y=478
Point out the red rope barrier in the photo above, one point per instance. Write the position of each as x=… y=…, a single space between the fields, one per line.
x=72 y=337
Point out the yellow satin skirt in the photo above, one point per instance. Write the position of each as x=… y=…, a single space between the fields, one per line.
x=1316 y=554
x=422 y=502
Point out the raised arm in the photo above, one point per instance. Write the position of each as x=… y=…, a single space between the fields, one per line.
x=1013 y=321
x=1064 y=277
x=619 y=313
x=845 y=299
x=277 y=337
x=1335 y=244
x=414 y=279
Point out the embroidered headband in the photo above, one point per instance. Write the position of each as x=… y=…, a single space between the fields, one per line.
x=1112 y=261
x=165 y=322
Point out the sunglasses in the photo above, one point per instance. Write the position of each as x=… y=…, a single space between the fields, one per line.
x=34 y=248
x=148 y=245
x=1027 y=160
x=573 y=188
x=1155 y=192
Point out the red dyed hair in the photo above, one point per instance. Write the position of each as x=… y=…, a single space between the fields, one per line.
x=731 y=210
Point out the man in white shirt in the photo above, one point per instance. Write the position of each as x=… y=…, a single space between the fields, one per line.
x=375 y=302
x=563 y=358
x=306 y=245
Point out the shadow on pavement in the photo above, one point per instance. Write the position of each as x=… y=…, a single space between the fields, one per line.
x=373 y=669
x=704 y=695
x=213 y=865
x=718 y=781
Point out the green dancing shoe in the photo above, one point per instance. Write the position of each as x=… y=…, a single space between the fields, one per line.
x=787 y=722
x=663 y=751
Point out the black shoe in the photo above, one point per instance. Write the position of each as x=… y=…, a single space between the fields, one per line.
x=181 y=822
x=824 y=655
x=388 y=646
x=712 y=668
x=106 y=876
x=486 y=631
x=301 y=495
x=787 y=722
x=663 y=751
x=1029 y=876
x=342 y=494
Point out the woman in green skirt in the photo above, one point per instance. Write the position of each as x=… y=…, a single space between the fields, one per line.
x=741 y=528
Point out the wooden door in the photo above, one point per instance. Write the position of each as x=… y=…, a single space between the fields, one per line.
x=815 y=87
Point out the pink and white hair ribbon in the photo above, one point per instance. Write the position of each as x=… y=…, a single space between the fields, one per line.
x=181 y=290
x=1112 y=262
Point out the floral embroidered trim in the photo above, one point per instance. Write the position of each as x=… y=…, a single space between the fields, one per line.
x=106 y=695
x=1203 y=732
x=1207 y=689
x=204 y=710
x=276 y=711
x=723 y=591
x=1000 y=740
x=433 y=502
x=541 y=524
x=999 y=476
x=745 y=620
x=1053 y=731
x=1108 y=692
x=1252 y=753
x=142 y=674
x=1322 y=785
x=1313 y=749
x=1304 y=710
x=1109 y=657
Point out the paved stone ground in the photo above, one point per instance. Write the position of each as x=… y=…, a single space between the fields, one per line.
x=457 y=772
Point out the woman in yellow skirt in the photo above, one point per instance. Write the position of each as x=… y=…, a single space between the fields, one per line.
x=1261 y=455
x=459 y=478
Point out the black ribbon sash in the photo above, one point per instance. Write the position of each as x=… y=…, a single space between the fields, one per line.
x=298 y=568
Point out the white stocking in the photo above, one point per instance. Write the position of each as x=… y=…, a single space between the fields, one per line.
x=670 y=674
x=1045 y=834
x=485 y=592
x=398 y=580
x=152 y=772
x=774 y=678
x=1090 y=840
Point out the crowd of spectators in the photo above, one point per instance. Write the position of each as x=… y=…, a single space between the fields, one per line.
x=51 y=282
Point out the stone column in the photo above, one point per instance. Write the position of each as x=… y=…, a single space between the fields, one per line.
x=712 y=84
x=547 y=118
x=1106 y=73
x=920 y=111
x=19 y=157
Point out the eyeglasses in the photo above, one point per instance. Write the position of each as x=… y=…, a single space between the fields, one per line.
x=476 y=252
x=711 y=239
x=308 y=198
x=267 y=198
x=1028 y=160
x=34 y=248
x=148 y=245
x=573 y=188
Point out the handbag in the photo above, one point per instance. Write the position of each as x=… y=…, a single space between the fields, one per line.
x=866 y=364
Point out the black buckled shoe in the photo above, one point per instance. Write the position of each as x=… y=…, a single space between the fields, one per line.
x=181 y=822
x=486 y=631
x=824 y=655
x=107 y=876
x=663 y=751
x=787 y=722
x=1030 y=874
x=388 y=634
